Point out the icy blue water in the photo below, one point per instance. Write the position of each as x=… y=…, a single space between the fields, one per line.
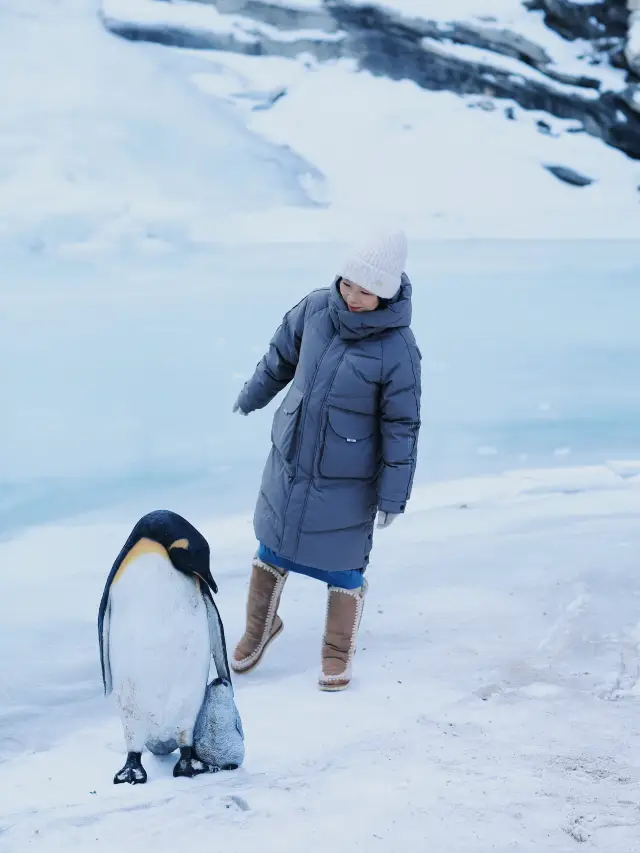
x=118 y=378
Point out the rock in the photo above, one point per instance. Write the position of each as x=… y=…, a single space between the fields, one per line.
x=631 y=97
x=485 y=104
x=270 y=100
x=500 y=41
x=632 y=47
x=617 y=56
x=254 y=43
x=569 y=176
x=387 y=44
x=510 y=113
x=294 y=16
x=584 y=20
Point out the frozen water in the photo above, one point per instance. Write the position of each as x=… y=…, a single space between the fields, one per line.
x=121 y=374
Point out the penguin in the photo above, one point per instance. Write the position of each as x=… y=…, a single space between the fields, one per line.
x=158 y=630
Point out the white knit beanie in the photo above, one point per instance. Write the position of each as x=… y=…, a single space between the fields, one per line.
x=377 y=263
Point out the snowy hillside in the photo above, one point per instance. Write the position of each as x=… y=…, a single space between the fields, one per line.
x=113 y=143
x=470 y=102
x=103 y=145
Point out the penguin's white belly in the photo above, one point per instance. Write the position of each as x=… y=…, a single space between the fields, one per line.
x=159 y=651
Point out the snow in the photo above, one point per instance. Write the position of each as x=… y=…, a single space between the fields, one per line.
x=482 y=56
x=84 y=171
x=434 y=10
x=154 y=227
x=494 y=701
x=179 y=12
x=202 y=18
x=572 y=57
x=633 y=40
x=93 y=147
x=496 y=691
x=454 y=169
x=505 y=193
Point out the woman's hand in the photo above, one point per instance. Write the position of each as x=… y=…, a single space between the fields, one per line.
x=386 y=519
x=236 y=408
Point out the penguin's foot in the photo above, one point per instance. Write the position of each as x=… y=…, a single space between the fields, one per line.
x=133 y=772
x=190 y=765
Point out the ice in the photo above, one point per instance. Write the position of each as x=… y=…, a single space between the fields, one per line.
x=130 y=369
x=495 y=693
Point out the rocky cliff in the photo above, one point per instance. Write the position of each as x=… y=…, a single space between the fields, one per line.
x=596 y=85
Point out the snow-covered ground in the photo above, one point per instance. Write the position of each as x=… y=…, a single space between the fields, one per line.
x=103 y=146
x=496 y=700
x=495 y=705
x=150 y=243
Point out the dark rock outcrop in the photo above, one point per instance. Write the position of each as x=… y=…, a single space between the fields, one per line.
x=258 y=44
x=592 y=21
x=569 y=176
x=387 y=44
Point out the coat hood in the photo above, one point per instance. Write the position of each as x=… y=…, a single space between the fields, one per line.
x=396 y=314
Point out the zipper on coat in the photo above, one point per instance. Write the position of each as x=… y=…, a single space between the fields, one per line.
x=305 y=405
x=303 y=418
x=320 y=425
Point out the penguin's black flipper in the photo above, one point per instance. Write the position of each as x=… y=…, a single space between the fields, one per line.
x=190 y=765
x=133 y=772
x=105 y=662
x=217 y=637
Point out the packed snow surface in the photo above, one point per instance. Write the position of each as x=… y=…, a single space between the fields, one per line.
x=494 y=706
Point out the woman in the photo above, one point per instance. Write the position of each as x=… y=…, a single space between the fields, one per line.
x=344 y=446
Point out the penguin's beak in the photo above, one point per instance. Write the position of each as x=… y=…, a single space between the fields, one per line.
x=207 y=577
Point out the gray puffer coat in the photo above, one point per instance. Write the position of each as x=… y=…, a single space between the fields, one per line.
x=345 y=437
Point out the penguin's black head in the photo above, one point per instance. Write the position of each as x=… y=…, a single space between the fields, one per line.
x=187 y=548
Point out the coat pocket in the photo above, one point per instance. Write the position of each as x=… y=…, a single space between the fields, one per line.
x=350 y=448
x=284 y=431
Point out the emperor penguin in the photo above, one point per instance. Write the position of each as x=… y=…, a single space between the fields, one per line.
x=158 y=629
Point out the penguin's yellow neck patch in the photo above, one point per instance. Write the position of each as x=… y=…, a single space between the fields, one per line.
x=180 y=543
x=142 y=546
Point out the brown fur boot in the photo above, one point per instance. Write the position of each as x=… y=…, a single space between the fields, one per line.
x=263 y=622
x=344 y=612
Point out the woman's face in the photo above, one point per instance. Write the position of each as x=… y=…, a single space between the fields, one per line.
x=356 y=298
